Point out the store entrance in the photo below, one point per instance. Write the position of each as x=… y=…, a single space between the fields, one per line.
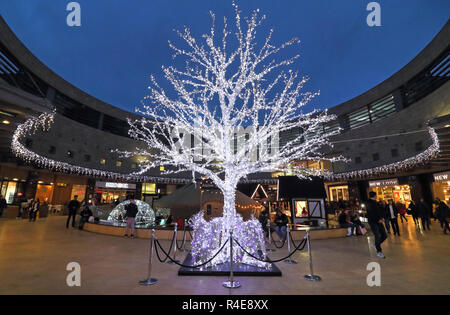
x=108 y=196
x=398 y=193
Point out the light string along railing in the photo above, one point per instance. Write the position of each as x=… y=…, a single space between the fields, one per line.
x=44 y=121
x=420 y=159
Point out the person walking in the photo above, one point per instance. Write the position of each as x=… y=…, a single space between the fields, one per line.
x=73 y=207
x=34 y=210
x=131 y=212
x=442 y=212
x=375 y=217
x=413 y=211
x=386 y=218
x=3 y=205
x=402 y=211
x=392 y=212
x=423 y=211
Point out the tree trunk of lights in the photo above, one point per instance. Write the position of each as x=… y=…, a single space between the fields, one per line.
x=229 y=210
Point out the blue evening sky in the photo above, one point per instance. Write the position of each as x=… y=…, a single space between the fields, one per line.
x=121 y=42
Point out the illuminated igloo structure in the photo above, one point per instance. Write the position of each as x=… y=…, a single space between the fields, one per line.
x=145 y=215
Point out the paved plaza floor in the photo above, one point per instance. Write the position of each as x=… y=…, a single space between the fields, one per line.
x=34 y=256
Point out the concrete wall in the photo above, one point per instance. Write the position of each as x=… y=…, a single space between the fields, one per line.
x=412 y=118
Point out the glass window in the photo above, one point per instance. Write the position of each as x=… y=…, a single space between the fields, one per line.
x=382 y=108
x=10 y=192
x=339 y=192
x=359 y=118
x=149 y=188
x=118 y=163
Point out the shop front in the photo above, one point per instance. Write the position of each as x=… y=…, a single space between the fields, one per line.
x=12 y=190
x=111 y=192
x=391 y=189
x=303 y=201
x=441 y=186
x=338 y=192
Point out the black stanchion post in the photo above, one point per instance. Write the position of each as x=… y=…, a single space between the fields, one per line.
x=183 y=247
x=175 y=232
x=311 y=276
x=288 y=235
x=231 y=283
x=268 y=249
x=150 y=280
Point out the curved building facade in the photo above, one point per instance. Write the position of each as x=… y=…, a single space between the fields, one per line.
x=385 y=125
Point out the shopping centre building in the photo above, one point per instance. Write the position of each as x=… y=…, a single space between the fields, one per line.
x=396 y=136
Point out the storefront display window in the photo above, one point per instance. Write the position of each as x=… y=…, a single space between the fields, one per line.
x=78 y=190
x=299 y=206
x=441 y=186
x=339 y=193
x=398 y=193
x=149 y=188
x=44 y=192
x=8 y=191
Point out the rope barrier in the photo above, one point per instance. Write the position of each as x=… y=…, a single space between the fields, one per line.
x=275 y=243
x=182 y=265
x=170 y=248
x=302 y=244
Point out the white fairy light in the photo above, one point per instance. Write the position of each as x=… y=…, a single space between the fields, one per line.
x=145 y=215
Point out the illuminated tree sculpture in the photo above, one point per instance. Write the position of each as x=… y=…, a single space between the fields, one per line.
x=220 y=91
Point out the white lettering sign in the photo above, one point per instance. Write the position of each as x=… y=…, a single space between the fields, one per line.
x=374 y=17
x=74 y=17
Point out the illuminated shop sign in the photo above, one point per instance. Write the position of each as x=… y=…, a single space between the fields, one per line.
x=116 y=185
x=442 y=177
x=383 y=182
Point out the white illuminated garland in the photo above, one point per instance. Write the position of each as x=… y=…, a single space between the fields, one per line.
x=421 y=158
x=44 y=121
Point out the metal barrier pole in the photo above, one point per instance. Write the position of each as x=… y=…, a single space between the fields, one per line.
x=231 y=283
x=311 y=276
x=150 y=280
x=288 y=235
x=270 y=238
x=175 y=231
x=183 y=247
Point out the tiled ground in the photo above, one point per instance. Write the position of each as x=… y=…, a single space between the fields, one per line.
x=33 y=259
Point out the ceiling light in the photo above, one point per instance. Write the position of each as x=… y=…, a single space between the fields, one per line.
x=6 y=122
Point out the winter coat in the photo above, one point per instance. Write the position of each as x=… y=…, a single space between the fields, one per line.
x=388 y=211
x=374 y=212
x=131 y=210
x=442 y=211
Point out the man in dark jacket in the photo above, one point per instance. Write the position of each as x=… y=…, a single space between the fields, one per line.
x=375 y=216
x=413 y=211
x=391 y=214
x=131 y=212
x=423 y=211
x=442 y=212
x=73 y=206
